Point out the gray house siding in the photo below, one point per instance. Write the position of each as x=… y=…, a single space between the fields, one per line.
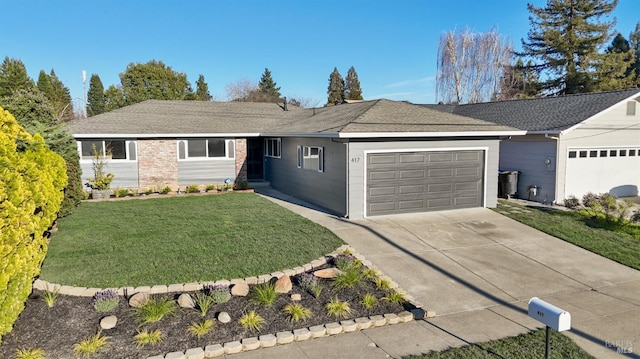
x=534 y=156
x=125 y=173
x=206 y=171
x=357 y=165
x=326 y=189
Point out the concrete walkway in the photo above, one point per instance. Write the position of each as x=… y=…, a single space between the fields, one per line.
x=477 y=269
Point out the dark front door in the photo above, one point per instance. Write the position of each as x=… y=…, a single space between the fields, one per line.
x=255 y=159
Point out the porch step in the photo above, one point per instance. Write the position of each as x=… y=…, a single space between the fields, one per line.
x=259 y=184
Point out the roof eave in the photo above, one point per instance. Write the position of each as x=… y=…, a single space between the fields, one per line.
x=163 y=135
x=431 y=134
x=567 y=130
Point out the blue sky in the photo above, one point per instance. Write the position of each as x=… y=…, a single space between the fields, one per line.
x=391 y=44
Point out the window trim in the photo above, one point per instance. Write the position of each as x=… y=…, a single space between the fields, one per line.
x=127 y=148
x=185 y=143
x=268 y=147
x=305 y=152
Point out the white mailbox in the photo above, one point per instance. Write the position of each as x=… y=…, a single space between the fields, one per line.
x=549 y=314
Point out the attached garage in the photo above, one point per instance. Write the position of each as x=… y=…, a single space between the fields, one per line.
x=406 y=182
x=621 y=166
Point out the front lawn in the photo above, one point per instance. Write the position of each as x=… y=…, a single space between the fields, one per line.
x=616 y=242
x=179 y=240
x=529 y=345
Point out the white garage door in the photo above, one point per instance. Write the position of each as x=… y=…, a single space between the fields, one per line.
x=602 y=170
x=405 y=182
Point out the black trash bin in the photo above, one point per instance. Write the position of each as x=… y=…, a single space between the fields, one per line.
x=507 y=184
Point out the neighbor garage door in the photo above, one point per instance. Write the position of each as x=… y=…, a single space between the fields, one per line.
x=405 y=182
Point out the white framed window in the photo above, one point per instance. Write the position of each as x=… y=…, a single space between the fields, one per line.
x=114 y=149
x=205 y=148
x=272 y=147
x=312 y=158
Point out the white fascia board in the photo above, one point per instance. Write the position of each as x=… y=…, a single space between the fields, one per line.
x=610 y=108
x=162 y=135
x=431 y=134
x=554 y=132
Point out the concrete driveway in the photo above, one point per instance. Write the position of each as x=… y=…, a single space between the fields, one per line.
x=477 y=269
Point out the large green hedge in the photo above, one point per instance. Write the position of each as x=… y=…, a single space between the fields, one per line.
x=32 y=179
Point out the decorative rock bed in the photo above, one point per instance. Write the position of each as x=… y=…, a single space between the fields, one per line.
x=240 y=287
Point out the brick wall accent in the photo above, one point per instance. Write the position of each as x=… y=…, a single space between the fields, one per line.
x=241 y=160
x=157 y=163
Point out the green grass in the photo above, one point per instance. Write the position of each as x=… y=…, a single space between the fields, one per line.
x=525 y=346
x=620 y=243
x=179 y=240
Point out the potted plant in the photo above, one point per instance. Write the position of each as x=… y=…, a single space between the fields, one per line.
x=100 y=184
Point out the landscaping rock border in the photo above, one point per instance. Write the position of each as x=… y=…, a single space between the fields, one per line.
x=414 y=309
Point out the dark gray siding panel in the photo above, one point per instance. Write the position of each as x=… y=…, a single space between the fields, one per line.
x=326 y=189
x=534 y=156
x=206 y=171
x=125 y=173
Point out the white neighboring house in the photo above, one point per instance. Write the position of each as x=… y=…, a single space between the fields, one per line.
x=574 y=144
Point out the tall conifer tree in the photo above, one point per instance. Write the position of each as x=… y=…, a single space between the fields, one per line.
x=335 y=89
x=96 y=102
x=202 y=90
x=13 y=76
x=352 y=90
x=270 y=92
x=565 y=37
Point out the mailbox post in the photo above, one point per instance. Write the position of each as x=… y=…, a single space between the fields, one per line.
x=551 y=316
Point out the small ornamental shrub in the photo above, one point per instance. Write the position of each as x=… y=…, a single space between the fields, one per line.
x=146 y=337
x=155 y=309
x=383 y=284
x=210 y=187
x=572 y=202
x=345 y=261
x=50 y=296
x=90 y=345
x=311 y=284
x=106 y=300
x=394 y=297
x=148 y=191
x=251 y=321
x=121 y=192
x=337 y=308
x=30 y=354
x=264 y=293
x=200 y=329
x=165 y=190
x=369 y=301
x=296 y=312
x=204 y=302
x=349 y=278
x=193 y=188
x=219 y=293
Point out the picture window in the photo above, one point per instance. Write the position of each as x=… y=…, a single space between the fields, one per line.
x=202 y=148
x=272 y=147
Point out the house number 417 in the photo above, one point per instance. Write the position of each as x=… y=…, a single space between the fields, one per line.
x=355 y=159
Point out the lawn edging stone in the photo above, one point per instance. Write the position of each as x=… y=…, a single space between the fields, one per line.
x=269 y=340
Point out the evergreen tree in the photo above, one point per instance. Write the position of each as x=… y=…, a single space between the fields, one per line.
x=565 y=37
x=335 y=89
x=269 y=91
x=153 y=81
x=202 y=90
x=113 y=98
x=96 y=102
x=352 y=90
x=634 y=42
x=13 y=76
x=60 y=98
x=519 y=81
x=616 y=70
x=44 y=84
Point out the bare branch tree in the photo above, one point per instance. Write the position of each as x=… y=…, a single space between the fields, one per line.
x=470 y=65
x=241 y=90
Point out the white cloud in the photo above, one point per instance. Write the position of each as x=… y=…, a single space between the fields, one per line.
x=416 y=82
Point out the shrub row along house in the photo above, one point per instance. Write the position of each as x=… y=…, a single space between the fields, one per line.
x=375 y=157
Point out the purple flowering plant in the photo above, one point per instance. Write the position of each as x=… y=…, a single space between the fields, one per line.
x=105 y=300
